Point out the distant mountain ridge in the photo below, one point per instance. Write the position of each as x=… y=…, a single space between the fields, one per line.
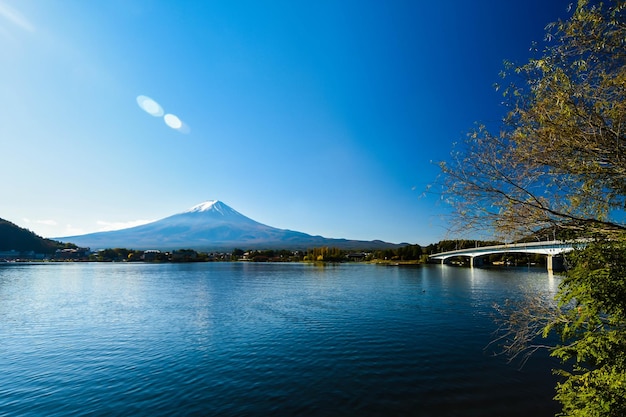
x=212 y=226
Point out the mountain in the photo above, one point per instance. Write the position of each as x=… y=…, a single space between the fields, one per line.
x=212 y=226
x=13 y=237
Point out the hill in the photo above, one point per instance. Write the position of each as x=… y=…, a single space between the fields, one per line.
x=13 y=237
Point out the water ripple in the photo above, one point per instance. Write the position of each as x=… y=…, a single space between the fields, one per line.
x=232 y=339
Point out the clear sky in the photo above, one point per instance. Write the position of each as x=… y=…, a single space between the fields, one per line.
x=325 y=117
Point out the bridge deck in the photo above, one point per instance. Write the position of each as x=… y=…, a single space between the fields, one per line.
x=550 y=248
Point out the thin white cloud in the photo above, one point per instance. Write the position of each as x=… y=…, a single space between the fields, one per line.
x=73 y=231
x=105 y=226
x=47 y=222
x=15 y=17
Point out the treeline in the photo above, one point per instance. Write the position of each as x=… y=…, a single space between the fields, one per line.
x=13 y=237
x=190 y=255
x=404 y=253
x=408 y=253
x=450 y=245
x=268 y=255
x=132 y=255
x=325 y=254
x=421 y=253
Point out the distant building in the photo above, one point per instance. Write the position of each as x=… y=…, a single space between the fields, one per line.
x=357 y=256
x=151 y=255
x=77 y=254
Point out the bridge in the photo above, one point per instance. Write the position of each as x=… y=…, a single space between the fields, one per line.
x=549 y=248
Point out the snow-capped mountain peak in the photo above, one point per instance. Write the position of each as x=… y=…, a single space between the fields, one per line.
x=214 y=207
x=206 y=206
x=211 y=225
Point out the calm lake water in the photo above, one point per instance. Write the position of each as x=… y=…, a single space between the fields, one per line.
x=243 y=339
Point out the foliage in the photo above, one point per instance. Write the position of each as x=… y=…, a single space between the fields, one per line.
x=521 y=324
x=118 y=255
x=558 y=162
x=403 y=253
x=450 y=245
x=326 y=254
x=409 y=252
x=13 y=237
x=589 y=318
x=592 y=325
x=184 y=255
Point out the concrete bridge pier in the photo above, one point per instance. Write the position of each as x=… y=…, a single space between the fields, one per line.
x=555 y=263
x=476 y=261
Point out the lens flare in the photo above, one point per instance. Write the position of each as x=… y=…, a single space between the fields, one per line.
x=150 y=106
x=153 y=108
x=173 y=121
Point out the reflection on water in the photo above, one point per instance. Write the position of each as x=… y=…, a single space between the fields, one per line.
x=259 y=339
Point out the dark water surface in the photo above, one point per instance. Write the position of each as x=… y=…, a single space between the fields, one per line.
x=241 y=339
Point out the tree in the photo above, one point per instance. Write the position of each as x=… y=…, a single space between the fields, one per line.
x=593 y=329
x=326 y=254
x=559 y=161
x=13 y=237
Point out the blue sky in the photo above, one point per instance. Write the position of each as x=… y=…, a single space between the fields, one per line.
x=324 y=117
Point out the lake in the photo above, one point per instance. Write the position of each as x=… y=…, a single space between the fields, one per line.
x=256 y=339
